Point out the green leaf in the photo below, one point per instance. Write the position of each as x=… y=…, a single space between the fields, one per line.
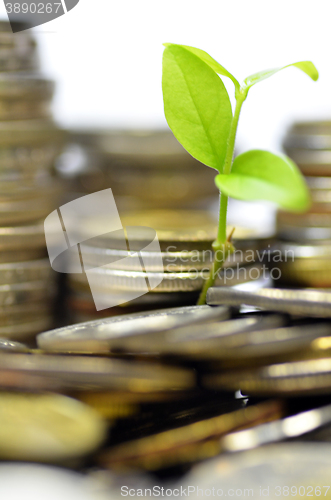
x=306 y=66
x=205 y=57
x=260 y=175
x=196 y=105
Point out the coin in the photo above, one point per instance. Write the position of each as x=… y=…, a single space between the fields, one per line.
x=21 y=293
x=199 y=342
x=95 y=336
x=11 y=345
x=295 y=378
x=20 y=272
x=145 y=148
x=17 y=314
x=20 y=162
x=312 y=273
x=172 y=261
x=272 y=432
x=246 y=341
x=96 y=373
x=188 y=230
x=311 y=303
x=109 y=280
x=29 y=133
x=25 y=85
x=270 y=471
x=47 y=428
x=188 y=443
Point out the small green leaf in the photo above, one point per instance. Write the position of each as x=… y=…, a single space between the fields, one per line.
x=261 y=175
x=205 y=57
x=306 y=66
x=196 y=105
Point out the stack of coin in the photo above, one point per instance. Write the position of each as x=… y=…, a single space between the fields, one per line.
x=185 y=384
x=29 y=144
x=145 y=169
x=306 y=238
x=176 y=265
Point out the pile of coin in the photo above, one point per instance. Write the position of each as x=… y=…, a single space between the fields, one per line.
x=29 y=143
x=163 y=390
x=144 y=168
x=160 y=259
x=306 y=238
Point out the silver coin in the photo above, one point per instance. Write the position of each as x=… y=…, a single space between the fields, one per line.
x=280 y=430
x=293 y=250
x=269 y=471
x=108 y=280
x=116 y=259
x=195 y=342
x=314 y=303
x=250 y=340
x=304 y=234
x=95 y=335
x=11 y=345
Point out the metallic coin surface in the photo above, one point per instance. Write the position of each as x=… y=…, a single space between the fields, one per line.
x=20 y=272
x=233 y=343
x=297 y=378
x=273 y=432
x=93 y=373
x=25 y=328
x=311 y=303
x=29 y=133
x=272 y=471
x=96 y=336
x=21 y=293
x=188 y=443
x=47 y=428
x=200 y=342
x=109 y=280
x=11 y=345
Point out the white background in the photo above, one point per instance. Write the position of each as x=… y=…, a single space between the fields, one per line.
x=106 y=56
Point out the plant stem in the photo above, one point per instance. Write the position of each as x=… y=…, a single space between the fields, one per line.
x=221 y=246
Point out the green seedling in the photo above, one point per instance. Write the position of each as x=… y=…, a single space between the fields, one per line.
x=198 y=111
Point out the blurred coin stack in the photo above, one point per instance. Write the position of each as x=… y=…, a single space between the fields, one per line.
x=29 y=144
x=306 y=238
x=167 y=271
x=144 y=169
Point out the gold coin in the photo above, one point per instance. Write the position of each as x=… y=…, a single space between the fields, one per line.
x=312 y=273
x=297 y=378
x=29 y=133
x=47 y=428
x=25 y=328
x=96 y=373
x=188 y=443
x=20 y=272
x=21 y=293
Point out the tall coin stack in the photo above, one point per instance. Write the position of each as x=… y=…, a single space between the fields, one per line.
x=306 y=238
x=167 y=273
x=29 y=143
